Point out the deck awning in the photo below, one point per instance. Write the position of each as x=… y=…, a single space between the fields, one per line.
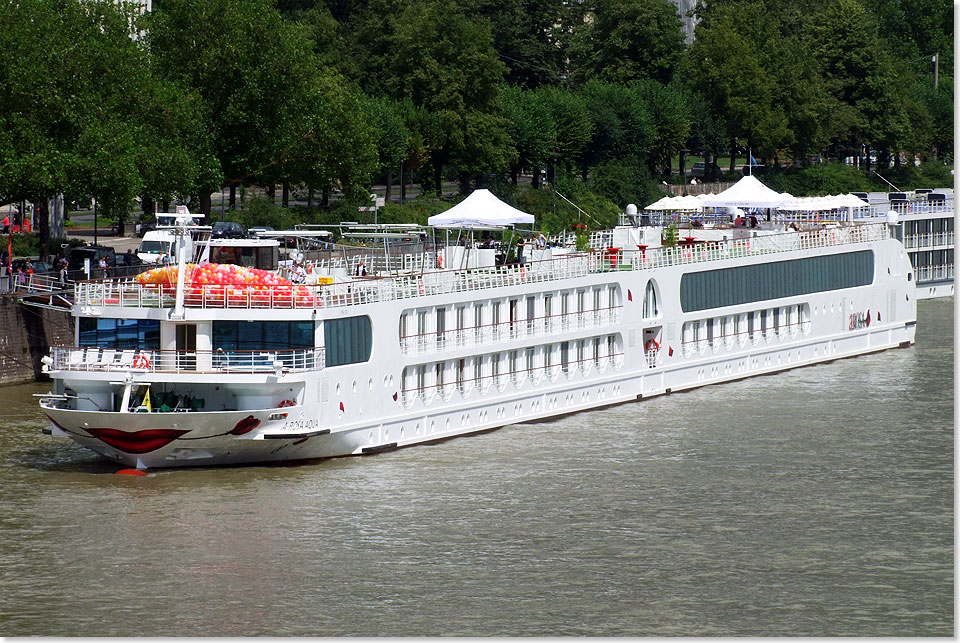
x=480 y=210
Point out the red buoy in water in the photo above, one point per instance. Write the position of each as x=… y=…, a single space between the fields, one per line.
x=131 y=472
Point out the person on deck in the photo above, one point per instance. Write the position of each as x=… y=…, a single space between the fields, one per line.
x=361 y=270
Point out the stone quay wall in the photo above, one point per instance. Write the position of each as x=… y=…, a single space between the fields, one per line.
x=26 y=335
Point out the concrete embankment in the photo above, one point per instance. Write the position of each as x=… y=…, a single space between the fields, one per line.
x=26 y=334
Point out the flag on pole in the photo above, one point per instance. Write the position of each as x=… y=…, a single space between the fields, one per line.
x=753 y=161
x=146 y=400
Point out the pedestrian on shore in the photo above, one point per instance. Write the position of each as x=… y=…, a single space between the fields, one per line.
x=6 y=224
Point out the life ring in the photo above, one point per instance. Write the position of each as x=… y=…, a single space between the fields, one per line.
x=286 y=403
x=651 y=346
x=141 y=361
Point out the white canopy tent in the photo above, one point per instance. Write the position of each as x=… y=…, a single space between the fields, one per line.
x=677 y=203
x=481 y=210
x=748 y=192
x=824 y=203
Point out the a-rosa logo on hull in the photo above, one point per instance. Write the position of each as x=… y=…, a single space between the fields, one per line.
x=859 y=320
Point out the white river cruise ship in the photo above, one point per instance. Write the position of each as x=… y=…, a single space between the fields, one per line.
x=222 y=365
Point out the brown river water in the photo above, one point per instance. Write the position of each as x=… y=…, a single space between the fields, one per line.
x=815 y=502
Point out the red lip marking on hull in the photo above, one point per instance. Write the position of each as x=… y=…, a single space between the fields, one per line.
x=245 y=425
x=137 y=441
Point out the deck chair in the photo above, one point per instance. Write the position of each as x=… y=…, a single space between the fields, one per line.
x=75 y=358
x=107 y=358
x=91 y=358
x=126 y=359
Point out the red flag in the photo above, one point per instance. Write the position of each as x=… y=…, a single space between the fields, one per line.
x=670 y=352
x=629 y=295
x=341 y=406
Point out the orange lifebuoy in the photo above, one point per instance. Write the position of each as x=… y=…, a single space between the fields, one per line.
x=141 y=361
x=286 y=403
x=651 y=346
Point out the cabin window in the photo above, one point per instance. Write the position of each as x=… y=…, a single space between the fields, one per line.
x=262 y=335
x=650 y=308
x=128 y=334
x=347 y=341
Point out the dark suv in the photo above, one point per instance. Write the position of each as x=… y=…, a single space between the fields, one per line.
x=93 y=253
x=227 y=230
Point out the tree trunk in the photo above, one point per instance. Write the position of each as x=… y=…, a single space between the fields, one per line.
x=206 y=204
x=535 y=182
x=438 y=177
x=866 y=158
x=41 y=219
x=285 y=194
x=514 y=176
x=388 y=189
x=733 y=156
x=310 y=199
x=403 y=188
x=233 y=197
x=271 y=191
x=325 y=197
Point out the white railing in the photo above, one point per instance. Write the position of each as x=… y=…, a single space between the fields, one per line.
x=374 y=289
x=469 y=337
x=71 y=358
x=934 y=273
x=928 y=240
x=38 y=284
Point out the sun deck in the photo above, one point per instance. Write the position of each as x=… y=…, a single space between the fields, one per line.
x=371 y=289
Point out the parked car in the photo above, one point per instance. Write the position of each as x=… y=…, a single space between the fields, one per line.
x=227 y=230
x=39 y=267
x=93 y=253
x=699 y=169
x=145 y=227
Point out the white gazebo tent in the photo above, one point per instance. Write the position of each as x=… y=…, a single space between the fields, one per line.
x=748 y=192
x=479 y=211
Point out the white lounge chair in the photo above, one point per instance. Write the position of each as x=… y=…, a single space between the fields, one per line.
x=75 y=358
x=107 y=358
x=126 y=359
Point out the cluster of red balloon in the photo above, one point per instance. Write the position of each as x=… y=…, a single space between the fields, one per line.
x=216 y=283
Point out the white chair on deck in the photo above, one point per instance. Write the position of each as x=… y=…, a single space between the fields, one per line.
x=91 y=358
x=107 y=358
x=126 y=359
x=75 y=358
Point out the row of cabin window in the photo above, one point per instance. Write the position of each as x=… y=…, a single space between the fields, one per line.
x=497 y=318
x=928 y=226
x=479 y=371
x=932 y=258
x=715 y=332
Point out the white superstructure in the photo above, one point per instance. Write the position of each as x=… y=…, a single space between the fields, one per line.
x=213 y=374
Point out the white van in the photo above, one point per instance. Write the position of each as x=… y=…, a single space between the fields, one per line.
x=155 y=243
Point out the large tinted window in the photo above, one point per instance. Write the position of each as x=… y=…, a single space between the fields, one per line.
x=761 y=282
x=120 y=333
x=347 y=341
x=262 y=335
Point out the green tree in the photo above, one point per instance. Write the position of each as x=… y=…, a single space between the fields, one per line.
x=531 y=129
x=627 y=40
x=84 y=114
x=445 y=63
x=265 y=99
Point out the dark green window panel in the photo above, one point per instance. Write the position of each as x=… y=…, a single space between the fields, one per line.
x=347 y=341
x=762 y=282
